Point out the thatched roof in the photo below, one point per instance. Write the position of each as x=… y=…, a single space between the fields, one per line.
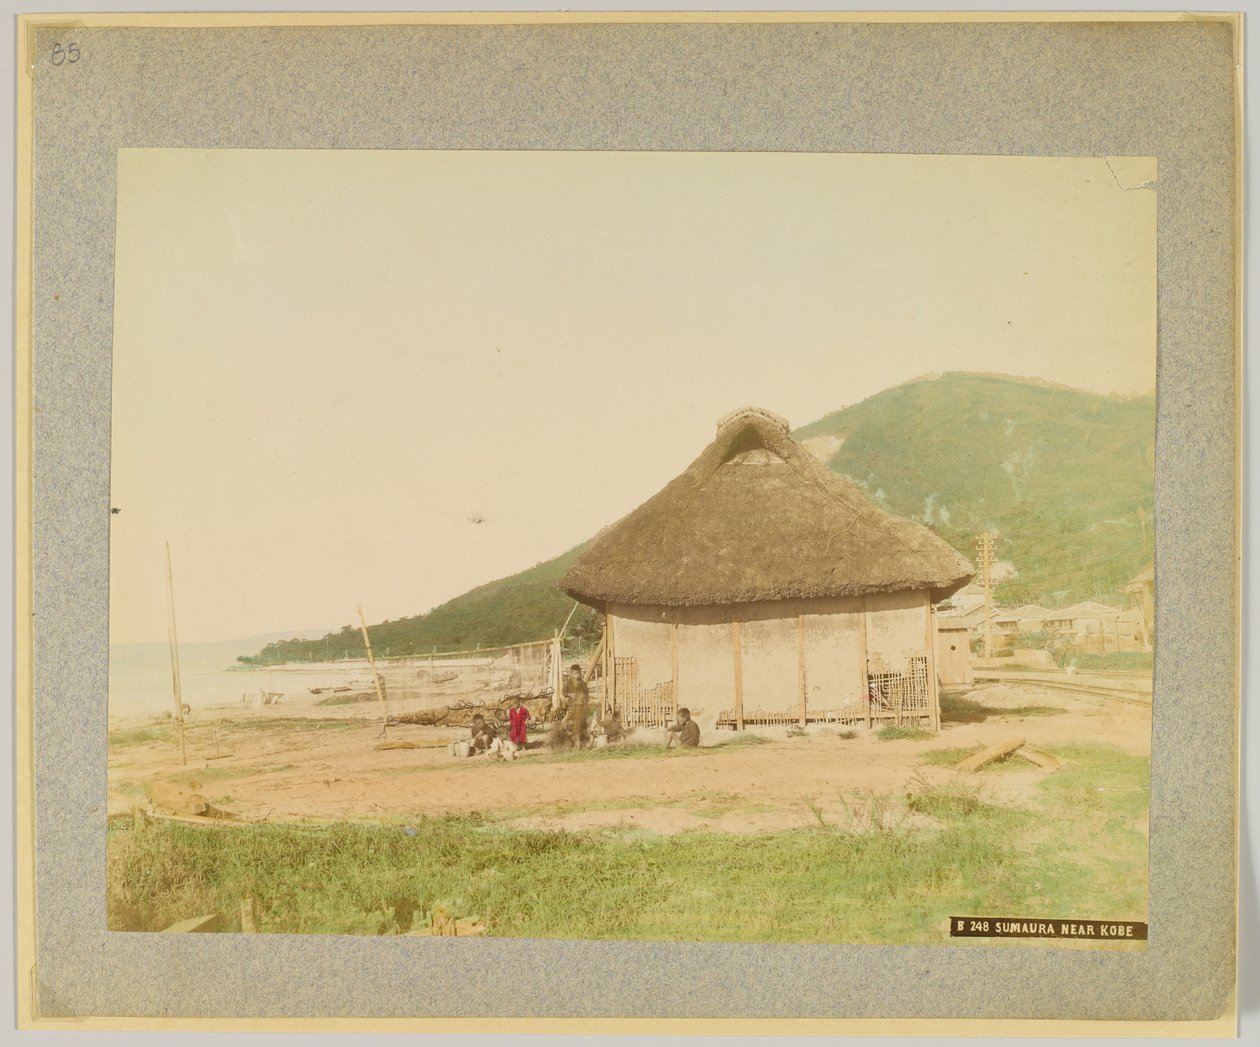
x=757 y=517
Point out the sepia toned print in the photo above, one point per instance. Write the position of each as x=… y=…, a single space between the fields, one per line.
x=875 y=667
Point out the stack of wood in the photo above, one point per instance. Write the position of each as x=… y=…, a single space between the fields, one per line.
x=460 y=714
x=1015 y=746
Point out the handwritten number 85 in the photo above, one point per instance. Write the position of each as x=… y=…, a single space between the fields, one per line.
x=60 y=54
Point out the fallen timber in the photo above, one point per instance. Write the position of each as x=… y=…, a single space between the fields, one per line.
x=460 y=714
x=1011 y=747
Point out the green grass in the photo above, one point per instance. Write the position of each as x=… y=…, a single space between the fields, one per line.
x=957 y=709
x=895 y=732
x=947 y=801
x=1133 y=661
x=950 y=757
x=128 y=736
x=954 y=756
x=1078 y=851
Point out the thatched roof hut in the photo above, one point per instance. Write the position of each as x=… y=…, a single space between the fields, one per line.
x=757 y=517
x=760 y=573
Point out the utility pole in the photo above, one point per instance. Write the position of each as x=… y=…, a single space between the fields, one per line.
x=984 y=554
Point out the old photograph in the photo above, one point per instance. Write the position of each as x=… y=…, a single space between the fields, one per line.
x=717 y=547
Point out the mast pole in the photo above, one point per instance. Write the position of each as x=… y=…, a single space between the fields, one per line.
x=376 y=677
x=173 y=637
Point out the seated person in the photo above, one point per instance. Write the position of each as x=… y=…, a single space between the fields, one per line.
x=613 y=728
x=687 y=730
x=483 y=734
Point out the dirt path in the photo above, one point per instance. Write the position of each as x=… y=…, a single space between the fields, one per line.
x=290 y=766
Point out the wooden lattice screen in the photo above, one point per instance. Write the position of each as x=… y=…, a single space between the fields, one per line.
x=641 y=706
x=898 y=695
x=901 y=696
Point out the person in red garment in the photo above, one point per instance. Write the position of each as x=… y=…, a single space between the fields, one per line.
x=517 y=715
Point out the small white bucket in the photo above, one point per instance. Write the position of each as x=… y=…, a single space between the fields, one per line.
x=463 y=748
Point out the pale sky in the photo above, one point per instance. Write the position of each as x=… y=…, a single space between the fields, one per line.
x=386 y=377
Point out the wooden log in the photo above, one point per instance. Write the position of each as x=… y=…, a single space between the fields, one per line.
x=993 y=752
x=210 y=922
x=178 y=799
x=1040 y=758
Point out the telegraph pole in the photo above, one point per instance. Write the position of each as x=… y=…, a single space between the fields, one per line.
x=984 y=553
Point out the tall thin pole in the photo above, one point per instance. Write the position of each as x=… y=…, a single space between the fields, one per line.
x=376 y=677
x=984 y=550
x=565 y=628
x=173 y=637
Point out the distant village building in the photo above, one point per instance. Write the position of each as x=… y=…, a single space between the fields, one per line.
x=953 y=652
x=760 y=587
x=1097 y=627
x=1027 y=619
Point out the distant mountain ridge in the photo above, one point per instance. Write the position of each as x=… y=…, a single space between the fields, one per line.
x=1065 y=477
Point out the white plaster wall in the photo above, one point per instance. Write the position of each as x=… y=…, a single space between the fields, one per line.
x=769 y=649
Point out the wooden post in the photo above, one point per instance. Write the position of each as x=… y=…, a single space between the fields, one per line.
x=800 y=650
x=380 y=691
x=557 y=672
x=610 y=653
x=866 y=679
x=673 y=652
x=565 y=628
x=739 y=676
x=605 y=696
x=249 y=916
x=174 y=639
x=934 y=698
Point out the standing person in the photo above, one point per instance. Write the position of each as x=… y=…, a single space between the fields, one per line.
x=517 y=715
x=577 y=697
x=686 y=728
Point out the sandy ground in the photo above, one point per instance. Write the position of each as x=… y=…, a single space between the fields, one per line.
x=311 y=763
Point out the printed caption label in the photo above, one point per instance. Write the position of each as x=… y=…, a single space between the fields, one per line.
x=1003 y=927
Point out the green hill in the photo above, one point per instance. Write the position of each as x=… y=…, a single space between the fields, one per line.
x=527 y=606
x=1065 y=477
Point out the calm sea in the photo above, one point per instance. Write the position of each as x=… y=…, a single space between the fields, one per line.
x=140 y=677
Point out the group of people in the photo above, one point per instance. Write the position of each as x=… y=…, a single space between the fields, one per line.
x=573 y=730
x=486 y=737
